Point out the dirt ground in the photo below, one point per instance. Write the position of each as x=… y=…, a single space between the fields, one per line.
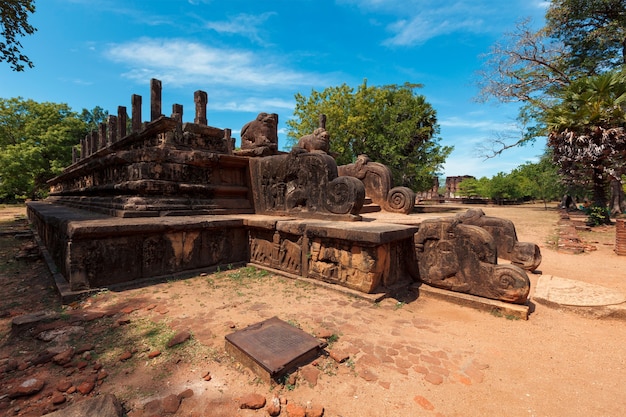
x=409 y=356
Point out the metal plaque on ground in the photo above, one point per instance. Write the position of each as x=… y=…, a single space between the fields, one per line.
x=273 y=348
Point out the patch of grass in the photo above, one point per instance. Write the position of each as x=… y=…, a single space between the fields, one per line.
x=399 y=305
x=498 y=313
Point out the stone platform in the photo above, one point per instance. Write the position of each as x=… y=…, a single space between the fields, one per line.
x=92 y=251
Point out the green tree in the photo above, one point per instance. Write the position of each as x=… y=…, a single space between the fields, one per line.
x=391 y=124
x=594 y=33
x=94 y=117
x=531 y=67
x=540 y=180
x=14 y=24
x=587 y=131
x=35 y=145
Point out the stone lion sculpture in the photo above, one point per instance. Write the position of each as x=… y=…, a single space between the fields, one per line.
x=260 y=136
x=318 y=141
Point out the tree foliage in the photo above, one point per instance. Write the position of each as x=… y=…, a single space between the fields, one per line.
x=391 y=124
x=593 y=32
x=567 y=76
x=581 y=38
x=14 y=24
x=35 y=145
x=534 y=181
x=587 y=131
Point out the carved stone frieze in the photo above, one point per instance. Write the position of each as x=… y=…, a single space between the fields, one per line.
x=304 y=183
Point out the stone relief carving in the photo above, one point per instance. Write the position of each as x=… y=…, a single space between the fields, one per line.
x=350 y=265
x=276 y=251
x=304 y=183
x=378 y=185
x=523 y=254
x=463 y=258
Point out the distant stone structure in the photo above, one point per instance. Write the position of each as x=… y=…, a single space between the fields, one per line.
x=452 y=185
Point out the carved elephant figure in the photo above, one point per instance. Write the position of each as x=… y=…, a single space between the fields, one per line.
x=523 y=254
x=463 y=258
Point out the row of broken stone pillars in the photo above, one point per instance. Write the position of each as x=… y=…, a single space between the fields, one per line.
x=115 y=128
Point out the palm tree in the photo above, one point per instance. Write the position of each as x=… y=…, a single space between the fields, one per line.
x=587 y=132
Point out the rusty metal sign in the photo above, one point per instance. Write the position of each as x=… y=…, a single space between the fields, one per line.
x=273 y=347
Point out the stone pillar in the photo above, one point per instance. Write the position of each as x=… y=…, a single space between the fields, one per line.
x=230 y=141
x=201 y=100
x=74 y=155
x=155 y=99
x=177 y=112
x=136 y=112
x=322 y=121
x=93 y=142
x=122 y=119
x=102 y=137
x=83 y=147
x=111 y=130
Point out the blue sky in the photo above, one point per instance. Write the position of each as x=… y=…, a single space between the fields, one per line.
x=254 y=56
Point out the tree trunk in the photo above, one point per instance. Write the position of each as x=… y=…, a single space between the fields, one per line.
x=599 y=190
x=618 y=202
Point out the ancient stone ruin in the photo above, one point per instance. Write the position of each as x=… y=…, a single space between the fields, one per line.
x=171 y=198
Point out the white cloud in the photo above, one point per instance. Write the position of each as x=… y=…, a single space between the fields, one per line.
x=254 y=104
x=414 y=22
x=481 y=125
x=180 y=62
x=247 y=25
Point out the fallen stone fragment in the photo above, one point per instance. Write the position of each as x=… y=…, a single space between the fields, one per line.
x=29 y=320
x=85 y=348
x=170 y=404
x=339 y=356
x=154 y=354
x=60 y=335
x=207 y=376
x=125 y=356
x=63 y=385
x=295 y=410
x=273 y=409
x=57 y=398
x=153 y=407
x=86 y=387
x=179 y=338
x=43 y=357
x=310 y=374
x=314 y=410
x=100 y=406
x=252 y=401
x=102 y=374
x=28 y=387
x=323 y=333
x=188 y=393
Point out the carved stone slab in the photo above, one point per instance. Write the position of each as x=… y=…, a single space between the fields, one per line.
x=305 y=184
x=273 y=348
